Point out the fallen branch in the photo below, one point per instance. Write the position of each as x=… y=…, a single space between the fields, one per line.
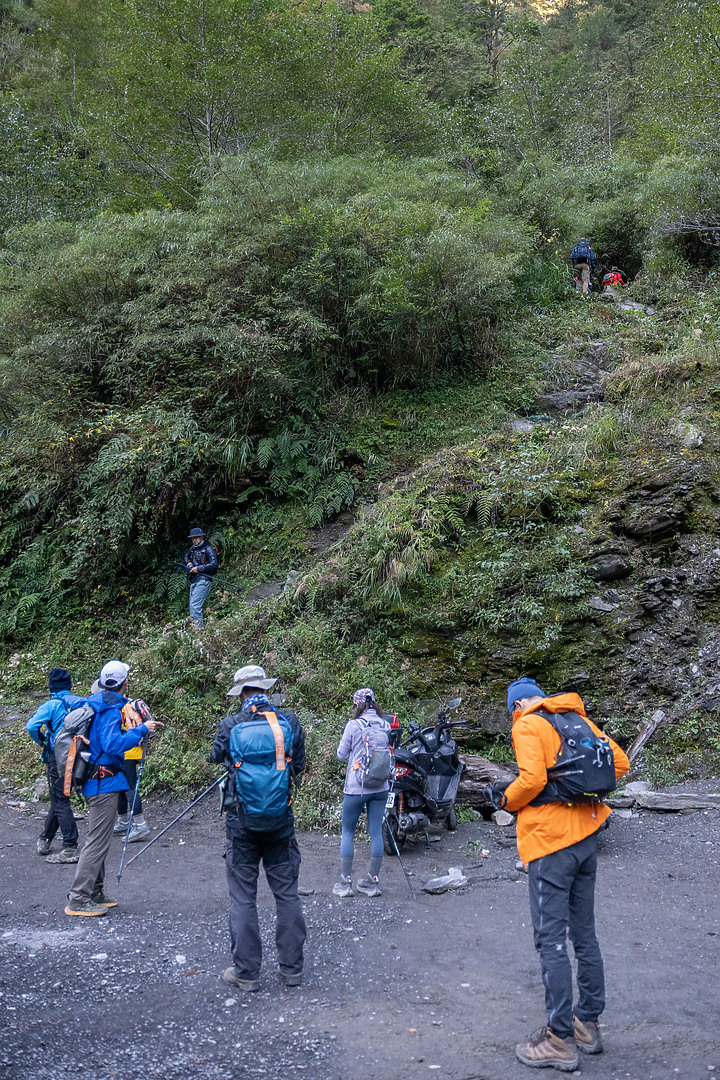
x=646 y=734
x=477 y=774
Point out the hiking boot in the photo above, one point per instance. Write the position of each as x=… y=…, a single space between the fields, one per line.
x=587 y=1036
x=67 y=855
x=85 y=907
x=291 y=978
x=99 y=897
x=546 y=1050
x=368 y=886
x=120 y=826
x=343 y=887
x=44 y=846
x=242 y=984
x=138 y=833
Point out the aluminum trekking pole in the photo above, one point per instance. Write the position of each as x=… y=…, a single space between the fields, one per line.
x=221 y=580
x=175 y=820
x=397 y=852
x=141 y=766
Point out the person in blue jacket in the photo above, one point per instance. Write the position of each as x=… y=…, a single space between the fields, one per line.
x=106 y=778
x=202 y=564
x=42 y=727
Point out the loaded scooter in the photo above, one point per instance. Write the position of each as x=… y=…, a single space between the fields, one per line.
x=425 y=779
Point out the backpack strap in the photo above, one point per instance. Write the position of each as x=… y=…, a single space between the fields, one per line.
x=278 y=736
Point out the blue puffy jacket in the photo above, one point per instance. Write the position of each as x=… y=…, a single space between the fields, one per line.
x=108 y=743
x=50 y=716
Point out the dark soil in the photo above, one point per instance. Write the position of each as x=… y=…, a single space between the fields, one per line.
x=394 y=987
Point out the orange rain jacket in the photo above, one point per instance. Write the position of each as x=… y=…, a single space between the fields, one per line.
x=544 y=829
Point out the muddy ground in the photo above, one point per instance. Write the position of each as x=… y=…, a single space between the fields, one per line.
x=437 y=986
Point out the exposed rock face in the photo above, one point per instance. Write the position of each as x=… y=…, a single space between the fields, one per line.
x=609 y=566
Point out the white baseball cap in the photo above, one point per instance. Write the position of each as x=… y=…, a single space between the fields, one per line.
x=250 y=675
x=113 y=674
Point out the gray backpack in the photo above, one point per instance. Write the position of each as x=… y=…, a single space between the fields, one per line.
x=375 y=762
x=72 y=748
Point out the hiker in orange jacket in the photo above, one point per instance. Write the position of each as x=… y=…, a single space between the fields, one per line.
x=558 y=841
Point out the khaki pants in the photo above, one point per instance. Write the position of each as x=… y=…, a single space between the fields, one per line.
x=90 y=873
x=583 y=282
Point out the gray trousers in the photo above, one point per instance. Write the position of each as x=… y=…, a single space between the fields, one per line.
x=562 y=901
x=280 y=857
x=90 y=873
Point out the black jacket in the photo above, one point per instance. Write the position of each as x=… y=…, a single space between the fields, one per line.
x=220 y=755
x=204 y=556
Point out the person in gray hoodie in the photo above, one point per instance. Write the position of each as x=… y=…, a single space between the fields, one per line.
x=367 y=728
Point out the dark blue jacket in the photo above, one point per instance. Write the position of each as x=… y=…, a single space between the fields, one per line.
x=108 y=743
x=582 y=252
x=204 y=556
x=50 y=716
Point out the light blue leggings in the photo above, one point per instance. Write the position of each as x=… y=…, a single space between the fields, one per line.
x=352 y=809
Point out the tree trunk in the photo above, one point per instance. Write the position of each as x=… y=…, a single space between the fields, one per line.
x=478 y=773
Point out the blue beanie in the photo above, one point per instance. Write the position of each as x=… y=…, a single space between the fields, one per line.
x=59 y=680
x=522 y=688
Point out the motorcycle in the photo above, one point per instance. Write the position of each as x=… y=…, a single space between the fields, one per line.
x=425 y=778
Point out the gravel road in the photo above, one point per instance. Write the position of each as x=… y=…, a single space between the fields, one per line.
x=395 y=988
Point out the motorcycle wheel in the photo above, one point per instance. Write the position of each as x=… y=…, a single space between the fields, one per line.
x=451 y=820
x=390 y=829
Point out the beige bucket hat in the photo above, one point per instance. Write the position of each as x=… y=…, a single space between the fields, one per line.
x=250 y=675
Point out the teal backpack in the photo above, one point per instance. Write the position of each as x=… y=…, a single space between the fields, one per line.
x=261 y=750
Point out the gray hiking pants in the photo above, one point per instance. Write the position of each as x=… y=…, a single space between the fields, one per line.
x=90 y=873
x=280 y=857
x=562 y=900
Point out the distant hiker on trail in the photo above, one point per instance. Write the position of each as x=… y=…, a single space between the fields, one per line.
x=105 y=779
x=582 y=257
x=202 y=563
x=264 y=751
x=613 y=278
x=43 y=726
x=557 y=839
x=364 y=745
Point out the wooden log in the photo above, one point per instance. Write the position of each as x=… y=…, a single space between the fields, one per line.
x=478 y=773
x=646 y=734
x=676 y=800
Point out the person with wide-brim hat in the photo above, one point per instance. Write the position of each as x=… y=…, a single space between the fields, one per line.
x=261 y=748
x=202 y=564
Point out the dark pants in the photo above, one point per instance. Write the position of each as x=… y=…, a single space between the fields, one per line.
x=280 y=857
x=60 y=815
x=125 y=798
x=90 y=872
x=562 y=900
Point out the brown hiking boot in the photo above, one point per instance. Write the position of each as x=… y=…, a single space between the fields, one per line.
x=230 y=976
x=546 y=1050
x=587 y=1036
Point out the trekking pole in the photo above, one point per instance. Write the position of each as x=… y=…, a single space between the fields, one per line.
x=175 y=820
x=397 y=852
x=141 y=766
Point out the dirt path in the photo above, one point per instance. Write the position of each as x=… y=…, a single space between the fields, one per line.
x=442 y=986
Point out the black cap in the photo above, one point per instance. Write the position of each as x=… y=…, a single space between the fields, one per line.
x=195 y=532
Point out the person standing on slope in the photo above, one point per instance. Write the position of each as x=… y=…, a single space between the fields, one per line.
x=558 y=842
x=202 y=564
x=582 y=257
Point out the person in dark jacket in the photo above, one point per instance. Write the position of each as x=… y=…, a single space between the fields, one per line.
x=42 y=727
x=201 y=561
x=582 y=257
x=246 y=848
x=106 y=778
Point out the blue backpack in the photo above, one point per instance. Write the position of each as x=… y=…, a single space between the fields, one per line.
x=581 y=252
x=261 y=751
